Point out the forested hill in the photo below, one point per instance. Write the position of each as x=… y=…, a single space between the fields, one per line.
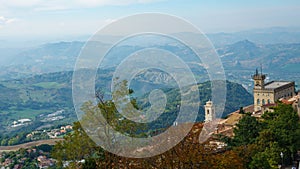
x=38 y=97
x=236 y=97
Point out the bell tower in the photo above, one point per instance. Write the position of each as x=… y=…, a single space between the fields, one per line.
x=259 y=80
x=258 y=90
x=209 y=111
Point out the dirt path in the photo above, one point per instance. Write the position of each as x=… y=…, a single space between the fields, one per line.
x=28 y=145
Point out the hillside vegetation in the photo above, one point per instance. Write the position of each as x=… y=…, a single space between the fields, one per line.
x=50 y=95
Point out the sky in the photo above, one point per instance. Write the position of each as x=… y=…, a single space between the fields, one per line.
x=32 y=19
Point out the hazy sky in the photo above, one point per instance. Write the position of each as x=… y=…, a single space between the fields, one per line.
x=58 y=18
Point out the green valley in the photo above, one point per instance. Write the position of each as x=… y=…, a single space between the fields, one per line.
x=47 y=99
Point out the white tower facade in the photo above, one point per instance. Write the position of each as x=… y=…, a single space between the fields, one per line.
x=209 y=111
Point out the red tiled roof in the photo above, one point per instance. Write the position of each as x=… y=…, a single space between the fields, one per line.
x=287 y=101
x=269 y=105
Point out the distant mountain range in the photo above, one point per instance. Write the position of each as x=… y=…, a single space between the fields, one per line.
x=246 y=54
x=273 y=35
x=240 y=59
x=47 y=58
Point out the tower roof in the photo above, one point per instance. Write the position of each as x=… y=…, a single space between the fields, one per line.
x=258 y=76
x=209 y=102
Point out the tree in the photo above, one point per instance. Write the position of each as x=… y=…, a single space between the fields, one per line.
x=89 y=163
x=75 y=146
x=283 y=130
x=4 y=141
x=78 y=145
x=268 y=158
x=246 y=131
x=45 y=147
x=242 y=110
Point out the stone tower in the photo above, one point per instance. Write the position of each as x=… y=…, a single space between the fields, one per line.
x=259 y=86
x=259 y=80
x=209 y=111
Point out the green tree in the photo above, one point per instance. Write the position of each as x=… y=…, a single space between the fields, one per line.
x=75 y=146
x=78 y=145
x=45 y=147
x=268 y=158
x=13 y=141
x=4 y=141
x=242 y=110
x=89 y=163
x=246 y=131
x=280 y=133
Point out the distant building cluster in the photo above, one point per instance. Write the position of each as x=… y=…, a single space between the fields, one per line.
x=45 y=162
x=51 y=133
x=58 y=115
x=54 y=116
x=58 y=132
x=21 y=122
x=20 y=159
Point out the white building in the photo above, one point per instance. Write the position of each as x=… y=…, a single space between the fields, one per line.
x=209 y=111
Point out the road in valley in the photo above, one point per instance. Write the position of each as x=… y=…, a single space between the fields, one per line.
x=28 y=145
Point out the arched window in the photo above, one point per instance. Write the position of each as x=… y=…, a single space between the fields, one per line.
x=269 y=101
x=207 y=111
x=258 y=101
x=263 y=101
